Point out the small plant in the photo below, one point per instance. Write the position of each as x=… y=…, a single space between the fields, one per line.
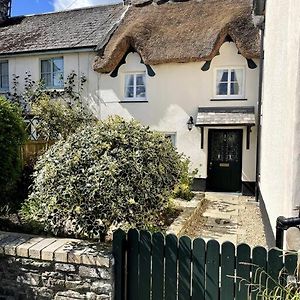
x=266 y=287
x=288 y=290
x=183 y=188
x=111 y=173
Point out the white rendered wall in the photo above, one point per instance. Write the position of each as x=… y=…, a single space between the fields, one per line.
x=280 y=146
x=173 y=95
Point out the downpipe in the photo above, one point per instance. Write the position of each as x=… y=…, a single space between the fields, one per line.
x=283 y=224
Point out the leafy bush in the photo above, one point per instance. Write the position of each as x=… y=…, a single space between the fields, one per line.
x=111 y=173
x=58 y=118
x=183 y=188
x=59 y=112
x=12 y=136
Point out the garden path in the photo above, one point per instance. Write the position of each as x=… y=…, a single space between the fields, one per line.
x=229 y=217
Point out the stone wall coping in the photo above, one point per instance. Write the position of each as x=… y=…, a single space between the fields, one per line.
x=189 y=210
x=59 y=250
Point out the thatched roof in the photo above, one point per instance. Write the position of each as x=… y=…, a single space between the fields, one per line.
x=78 y=28
x=181 y=32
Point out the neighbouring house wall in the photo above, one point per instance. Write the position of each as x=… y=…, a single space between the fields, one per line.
x=32 y=267
x=280 y=142
x=173 y=95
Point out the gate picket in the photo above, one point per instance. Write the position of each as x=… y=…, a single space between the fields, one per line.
x=243 y=268
x=119 y=250
x=274 y=267
x=184 y=268
x=259 y=267
x=227 y=271
x=145 y=266
x=212 y=270
x=155 y=267
x=198 y=259
x=291 y=262
x=158 y=269
x=171 y=267
x=133 y=264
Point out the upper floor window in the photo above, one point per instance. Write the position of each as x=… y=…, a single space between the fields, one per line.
x=4 y=76
x=229 y=83
x=52 y=72
x=135 y=86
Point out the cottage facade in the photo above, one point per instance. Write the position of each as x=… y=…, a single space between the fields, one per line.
x=198 y=87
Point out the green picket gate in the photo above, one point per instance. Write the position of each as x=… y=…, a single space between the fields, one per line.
x=157 y=267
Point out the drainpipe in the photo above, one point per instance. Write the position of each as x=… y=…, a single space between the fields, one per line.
x=260 y=89
x=283 y=224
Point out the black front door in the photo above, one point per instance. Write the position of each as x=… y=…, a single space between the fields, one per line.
x=224 y=160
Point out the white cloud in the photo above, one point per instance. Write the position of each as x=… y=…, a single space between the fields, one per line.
x=69 y=4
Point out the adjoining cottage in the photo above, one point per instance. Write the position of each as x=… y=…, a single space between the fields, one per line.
x=188 y=69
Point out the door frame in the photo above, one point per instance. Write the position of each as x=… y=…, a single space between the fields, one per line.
x=208 y=188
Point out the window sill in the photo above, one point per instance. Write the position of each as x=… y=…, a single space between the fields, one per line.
x=229 y=99
x=134 y=101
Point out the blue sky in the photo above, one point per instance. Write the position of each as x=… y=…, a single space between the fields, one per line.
x=27 y=7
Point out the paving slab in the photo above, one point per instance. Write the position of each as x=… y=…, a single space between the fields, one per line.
x=229 y=217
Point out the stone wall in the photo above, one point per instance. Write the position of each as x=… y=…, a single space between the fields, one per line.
x=48 y=268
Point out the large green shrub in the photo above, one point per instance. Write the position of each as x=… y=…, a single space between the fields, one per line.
x=12 y=136
x=113 y=172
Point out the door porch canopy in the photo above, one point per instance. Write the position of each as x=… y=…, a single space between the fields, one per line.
x=226 y=117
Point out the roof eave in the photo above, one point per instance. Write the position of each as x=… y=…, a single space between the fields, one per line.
x=49 y=51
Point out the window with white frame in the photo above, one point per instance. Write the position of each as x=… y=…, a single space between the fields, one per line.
x=229 y=83
x=171 y=137
x=4 y=76
x=135 y=86
x=52 y=72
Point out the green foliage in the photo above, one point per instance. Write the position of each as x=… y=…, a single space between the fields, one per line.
x=33 y=90
x=12 y=136
x=183 y=189
x=285 y=287
x=58 y=112
x=111 y=173
x=57 y=118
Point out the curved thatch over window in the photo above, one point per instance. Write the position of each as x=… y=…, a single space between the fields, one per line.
x=181 y=32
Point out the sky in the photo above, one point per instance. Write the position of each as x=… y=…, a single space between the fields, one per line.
x=28 y=7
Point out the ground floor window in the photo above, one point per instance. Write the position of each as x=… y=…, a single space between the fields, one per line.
x=172 y=137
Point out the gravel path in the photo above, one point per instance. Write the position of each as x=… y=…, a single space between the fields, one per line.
x=228 y=217
x=251 y=224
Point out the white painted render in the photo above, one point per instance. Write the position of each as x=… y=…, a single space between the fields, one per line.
x=280 y=142
x=173 y=95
